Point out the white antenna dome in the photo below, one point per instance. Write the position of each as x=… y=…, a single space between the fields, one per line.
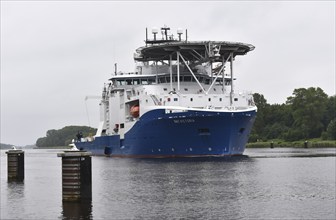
x=155 y=30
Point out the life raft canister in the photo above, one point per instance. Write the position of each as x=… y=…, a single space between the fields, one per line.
x=135 y=111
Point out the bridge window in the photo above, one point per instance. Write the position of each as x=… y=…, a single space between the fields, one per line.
x=162 y=80
x=200 y=79
x=150 y=81
x=187 y=79
x=136 y=82
x=219 y=81
x=129 y=82
x=121 y=82
x=144 y=82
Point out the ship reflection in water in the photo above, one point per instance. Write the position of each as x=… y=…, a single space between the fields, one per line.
x=266 y=184
x=77 y=210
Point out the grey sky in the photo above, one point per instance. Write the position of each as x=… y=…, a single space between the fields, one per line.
x=54 y=53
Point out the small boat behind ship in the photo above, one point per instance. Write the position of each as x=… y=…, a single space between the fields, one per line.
x=179 y=102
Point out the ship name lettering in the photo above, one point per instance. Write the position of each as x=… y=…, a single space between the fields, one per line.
x=184 y=121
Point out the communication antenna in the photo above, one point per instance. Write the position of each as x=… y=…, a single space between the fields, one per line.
x=179 y=32
x=165 y=29
x=154 y=32
x=186 y=35
x=115 y=69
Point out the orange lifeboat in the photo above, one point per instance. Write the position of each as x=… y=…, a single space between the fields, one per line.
x=135 y=111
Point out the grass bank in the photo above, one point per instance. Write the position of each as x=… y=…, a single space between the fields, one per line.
x=313 y=143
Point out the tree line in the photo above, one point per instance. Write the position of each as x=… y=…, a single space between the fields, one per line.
x=307 y=114
x=64 y=136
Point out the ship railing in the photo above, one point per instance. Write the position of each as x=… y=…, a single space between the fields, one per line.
x=240 y=108
x=230 y=108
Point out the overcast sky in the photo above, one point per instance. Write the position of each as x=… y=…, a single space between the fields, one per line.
x=54 y=53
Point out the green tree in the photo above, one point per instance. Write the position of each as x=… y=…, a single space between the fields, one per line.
x=330 y=111
x=275 y=130
x=308 y=109
x=330 y=133
x=259 y=123
x=277 y=119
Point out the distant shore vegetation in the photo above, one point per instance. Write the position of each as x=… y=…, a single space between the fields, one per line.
x=5 y=146
x=63 y=137
x=309 y=115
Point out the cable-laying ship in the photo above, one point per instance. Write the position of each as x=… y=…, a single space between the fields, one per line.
x=179 y=102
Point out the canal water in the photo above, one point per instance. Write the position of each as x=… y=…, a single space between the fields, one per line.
x=263 y=184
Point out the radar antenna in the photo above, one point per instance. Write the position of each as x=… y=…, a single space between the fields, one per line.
x=165 y=29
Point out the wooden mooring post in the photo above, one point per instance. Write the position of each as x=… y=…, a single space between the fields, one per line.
x=76 y=176
x=15 y=165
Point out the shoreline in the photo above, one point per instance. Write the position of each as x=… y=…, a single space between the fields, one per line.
x=293 y=144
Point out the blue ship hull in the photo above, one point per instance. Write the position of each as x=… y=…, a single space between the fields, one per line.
x=184 y=134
